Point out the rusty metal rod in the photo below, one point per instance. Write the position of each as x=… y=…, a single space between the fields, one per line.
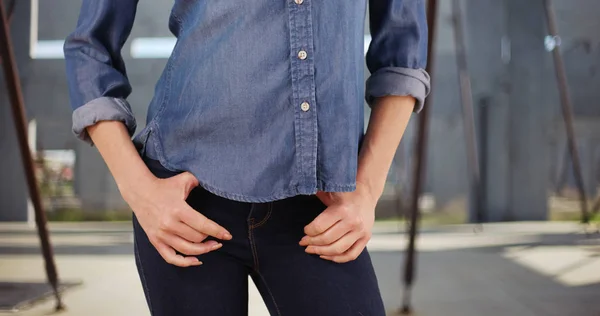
x=567 y=108
x=561 y=177
x=468 y=114
x=18 y=110
x=9 y=14
x=11 y=10
x=419 y=168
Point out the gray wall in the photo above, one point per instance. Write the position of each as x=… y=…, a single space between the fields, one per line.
x=45 y=89
x=523 y=139
x=13 y=190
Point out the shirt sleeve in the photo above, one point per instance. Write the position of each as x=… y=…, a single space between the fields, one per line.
x=397 y=54
x=96 y=76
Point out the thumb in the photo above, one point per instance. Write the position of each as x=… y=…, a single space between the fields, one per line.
x=188 y=181
x=325 y=197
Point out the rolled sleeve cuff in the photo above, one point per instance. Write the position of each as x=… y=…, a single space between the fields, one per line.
x=102 y=109
x=400 y=82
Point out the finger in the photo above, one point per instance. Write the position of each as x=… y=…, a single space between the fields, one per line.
x=325 y=197
x=202 y=224
x=186 y=232
x=189 y=248
x=188 y=180
x=333 y=234
x=336 y=248
x=323 y=222
x=351 y=254
x=173 y=258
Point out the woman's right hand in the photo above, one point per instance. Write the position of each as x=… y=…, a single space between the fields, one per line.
x=172 y=226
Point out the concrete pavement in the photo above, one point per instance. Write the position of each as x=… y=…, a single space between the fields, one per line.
x=522 y=269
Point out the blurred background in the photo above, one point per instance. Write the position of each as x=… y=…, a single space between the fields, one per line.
x=530 y=256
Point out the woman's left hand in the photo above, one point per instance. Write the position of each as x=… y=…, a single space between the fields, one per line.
x=341 y=232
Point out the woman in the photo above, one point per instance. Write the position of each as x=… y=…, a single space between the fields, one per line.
x=254 y=159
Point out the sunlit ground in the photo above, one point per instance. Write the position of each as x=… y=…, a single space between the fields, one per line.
x=508 y=269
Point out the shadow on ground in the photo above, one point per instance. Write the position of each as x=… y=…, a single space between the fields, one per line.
x=518 y=278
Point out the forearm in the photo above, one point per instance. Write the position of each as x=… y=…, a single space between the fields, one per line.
x=388 y=121
x=124 y=162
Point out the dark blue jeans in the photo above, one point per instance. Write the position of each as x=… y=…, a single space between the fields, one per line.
x=264 y=246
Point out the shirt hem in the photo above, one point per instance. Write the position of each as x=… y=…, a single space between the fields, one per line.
x=277 y=196
x=157 y=153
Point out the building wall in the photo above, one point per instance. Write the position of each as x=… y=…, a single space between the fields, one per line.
x=45 y=88
x=13 y=189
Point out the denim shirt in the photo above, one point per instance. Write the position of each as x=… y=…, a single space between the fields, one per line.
x=260 y=100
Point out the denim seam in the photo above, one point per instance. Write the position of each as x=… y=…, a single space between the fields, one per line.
x=143 y=274
x=280 y=195
x=266 y=218
x=270 y=293
x=167 y=92
x=295 y=94
x=253 y=246
x=292 y=190
x=251 y=237
x=160 y=152
x=143 y=138
x=156 y=118
x=178 y=19
x=313 y=95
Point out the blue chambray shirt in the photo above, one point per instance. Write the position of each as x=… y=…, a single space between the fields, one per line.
x=260 y=100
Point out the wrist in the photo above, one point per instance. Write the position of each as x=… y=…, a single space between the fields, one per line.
x=369 y=191
x=131 y=182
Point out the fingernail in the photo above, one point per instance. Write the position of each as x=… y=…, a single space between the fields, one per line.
x=217 y=246
x=310 y=249
x=226 y=236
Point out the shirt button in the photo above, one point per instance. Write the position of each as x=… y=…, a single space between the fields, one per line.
x=305 y=106
x=299 y=1
x=302 y=55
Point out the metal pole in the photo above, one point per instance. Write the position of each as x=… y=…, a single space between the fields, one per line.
x=484 y=110
x=567 y=108
x=11 y=10
x=419 y=169
x=18 y=110
x=468 y=115
x=561 y=179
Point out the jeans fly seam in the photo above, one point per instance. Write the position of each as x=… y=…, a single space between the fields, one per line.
x=269 y=290
x=253 y=245
x=264 y=220
x=143 y=274
x=251 y=236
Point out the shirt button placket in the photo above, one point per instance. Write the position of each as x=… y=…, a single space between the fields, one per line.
x=303 y=86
